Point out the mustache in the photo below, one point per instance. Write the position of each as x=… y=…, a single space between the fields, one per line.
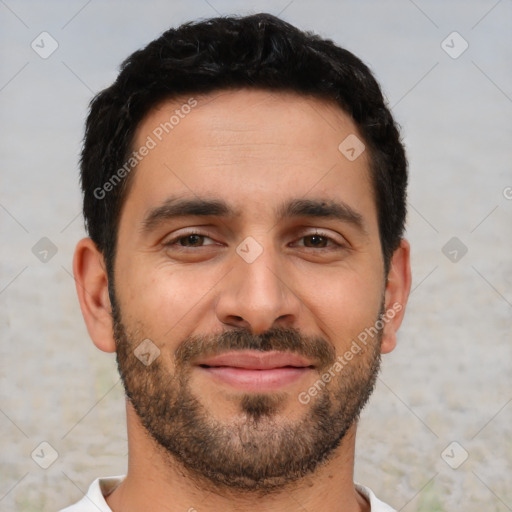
x=314 y=348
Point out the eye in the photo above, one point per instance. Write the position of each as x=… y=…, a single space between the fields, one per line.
x=320 y=240
x=315 y=240
x=189 y=240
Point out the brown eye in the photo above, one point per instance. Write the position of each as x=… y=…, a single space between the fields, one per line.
x=321 y=241
x=191 y=240
x=315 y=241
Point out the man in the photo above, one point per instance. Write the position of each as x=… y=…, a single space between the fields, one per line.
x=244 y=193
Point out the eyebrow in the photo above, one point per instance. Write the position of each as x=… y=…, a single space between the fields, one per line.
x=176 y=207
x=322 y=209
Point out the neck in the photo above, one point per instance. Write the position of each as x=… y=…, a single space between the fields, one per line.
x=157 y=482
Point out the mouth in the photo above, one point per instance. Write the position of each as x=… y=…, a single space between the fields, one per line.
x=252 y=370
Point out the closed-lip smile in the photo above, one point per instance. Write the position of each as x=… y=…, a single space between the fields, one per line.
x=252 y=370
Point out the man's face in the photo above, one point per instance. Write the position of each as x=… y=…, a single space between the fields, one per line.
x=251 y=297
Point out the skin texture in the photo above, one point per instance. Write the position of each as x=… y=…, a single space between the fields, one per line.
x=254 y=150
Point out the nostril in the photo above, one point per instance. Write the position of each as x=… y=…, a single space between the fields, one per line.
x=235 y=320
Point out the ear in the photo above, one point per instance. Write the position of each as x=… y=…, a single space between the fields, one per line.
x=396 y=294
x=92 y=289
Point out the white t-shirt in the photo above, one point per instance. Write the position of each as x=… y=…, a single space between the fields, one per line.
x=94 y=500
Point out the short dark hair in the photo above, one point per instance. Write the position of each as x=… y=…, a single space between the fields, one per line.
x=259 y=51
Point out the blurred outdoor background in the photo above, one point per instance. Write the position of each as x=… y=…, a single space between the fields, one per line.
x=437 y=434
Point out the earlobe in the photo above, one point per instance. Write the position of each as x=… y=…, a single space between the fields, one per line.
x=92 y=288
x=396 y=295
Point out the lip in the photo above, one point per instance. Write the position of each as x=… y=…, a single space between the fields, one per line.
x=256 y=371
x=255 y=360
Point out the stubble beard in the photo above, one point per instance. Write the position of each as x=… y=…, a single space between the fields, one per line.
x=260 y=450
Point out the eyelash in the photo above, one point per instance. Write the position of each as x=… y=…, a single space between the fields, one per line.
x=321 y=234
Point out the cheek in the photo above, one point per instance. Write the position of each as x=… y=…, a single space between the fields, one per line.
x=342 y=303
x=165 y=299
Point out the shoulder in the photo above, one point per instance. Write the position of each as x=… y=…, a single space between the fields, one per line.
x=375 y=504
x=94 y=500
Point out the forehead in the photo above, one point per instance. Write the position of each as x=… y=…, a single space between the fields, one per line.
x=249 y=147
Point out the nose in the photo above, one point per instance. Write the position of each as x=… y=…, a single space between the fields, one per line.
x=258 y=295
